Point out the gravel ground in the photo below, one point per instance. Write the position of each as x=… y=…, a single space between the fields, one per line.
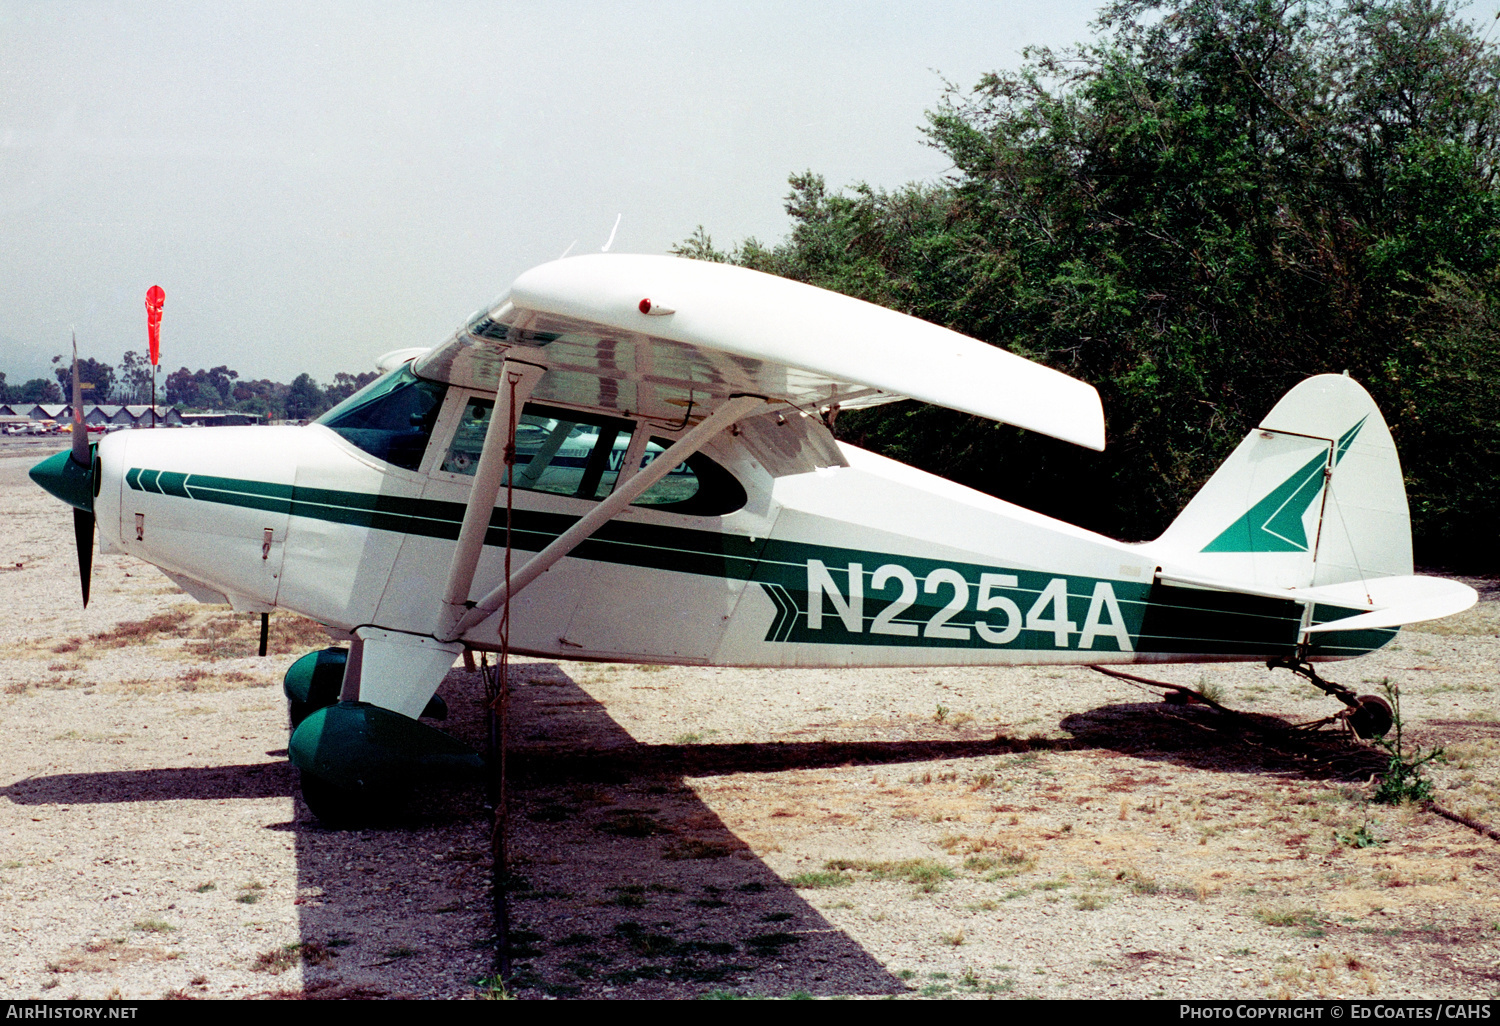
x=1034 y=832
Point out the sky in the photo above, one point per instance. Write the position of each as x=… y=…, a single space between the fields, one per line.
x=315 y=184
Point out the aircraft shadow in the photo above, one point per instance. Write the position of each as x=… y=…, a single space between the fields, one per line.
x=203 y=783
x=1199 y=737
x=623 y=882
x=1192 y=736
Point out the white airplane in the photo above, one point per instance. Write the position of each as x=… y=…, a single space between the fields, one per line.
x=679 y=498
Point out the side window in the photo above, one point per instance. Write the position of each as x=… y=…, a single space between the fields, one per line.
x=680 y=484
x=559 y=451
x=697 y=487
x=566 y=452
x=391 y=418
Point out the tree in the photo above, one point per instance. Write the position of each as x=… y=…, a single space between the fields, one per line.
x=135 y=379
x=40 y=390
x=304 y=399
x=345 y=384
x=100 y=375
x=1209 y=202
x=206 y=397
x=181 y=387
x=221 y=378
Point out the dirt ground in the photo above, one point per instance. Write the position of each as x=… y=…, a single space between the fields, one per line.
x=1034 y=832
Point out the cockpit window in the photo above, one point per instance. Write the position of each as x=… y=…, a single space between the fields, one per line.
x=566 y=452
x=559 y=451
x=391 y=418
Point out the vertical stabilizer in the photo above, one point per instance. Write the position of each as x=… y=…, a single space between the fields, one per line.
x=1313 y=496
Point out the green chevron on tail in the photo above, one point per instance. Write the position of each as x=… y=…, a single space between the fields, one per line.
x=1274 y=524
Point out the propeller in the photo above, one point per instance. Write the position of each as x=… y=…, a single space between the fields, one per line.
x=83 y=519
x=70 y=477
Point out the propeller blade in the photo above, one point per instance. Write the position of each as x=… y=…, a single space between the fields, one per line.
x=80 y=433
x=83 y=536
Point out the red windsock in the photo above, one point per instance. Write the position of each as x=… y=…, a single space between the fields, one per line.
x=154 y=299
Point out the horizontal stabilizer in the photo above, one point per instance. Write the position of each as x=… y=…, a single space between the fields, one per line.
x=1391 y=601
x=1398 y=601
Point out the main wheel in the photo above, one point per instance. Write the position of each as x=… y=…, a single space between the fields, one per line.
x=342 y=808
x=1371 y=716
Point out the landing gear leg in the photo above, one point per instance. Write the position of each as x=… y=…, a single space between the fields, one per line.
x=1369 y=716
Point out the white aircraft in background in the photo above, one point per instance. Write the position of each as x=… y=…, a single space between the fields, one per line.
x=679 y=498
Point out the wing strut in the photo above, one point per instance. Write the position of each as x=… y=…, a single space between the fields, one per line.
x=735 y=409
x=488 y=477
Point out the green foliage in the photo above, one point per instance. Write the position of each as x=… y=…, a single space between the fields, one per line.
x=304 y=399
x=927 y=874
x=38 y=390
x=1403 y=780
x=818 y=879
x=99 y=375
x=1194 y=211
x=1360 y=837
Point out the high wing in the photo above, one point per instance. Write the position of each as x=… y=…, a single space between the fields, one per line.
x=704 y=346
x=671 y=339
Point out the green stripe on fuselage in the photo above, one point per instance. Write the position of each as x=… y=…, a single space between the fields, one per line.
x=1158 y=619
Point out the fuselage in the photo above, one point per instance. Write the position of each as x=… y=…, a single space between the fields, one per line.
x=794 y=550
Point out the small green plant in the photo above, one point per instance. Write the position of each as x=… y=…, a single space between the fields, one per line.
x=276 y=961
x=492 y=988
x=279 y=960
x=1360 y=837
x=941 y=714
x=1403 y=780
x=926 y=874
x=1303 y=917
x=155 y=926
x=1211 y=690
x=817 y=880
x=204 y=888
x=1138 y=882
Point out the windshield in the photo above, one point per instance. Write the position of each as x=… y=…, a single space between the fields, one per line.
x=391 y=418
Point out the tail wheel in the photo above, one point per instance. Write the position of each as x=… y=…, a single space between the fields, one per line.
x=1371 y=716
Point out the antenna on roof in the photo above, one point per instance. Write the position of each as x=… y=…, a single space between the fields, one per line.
x=568 y=250
x=611 y=242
